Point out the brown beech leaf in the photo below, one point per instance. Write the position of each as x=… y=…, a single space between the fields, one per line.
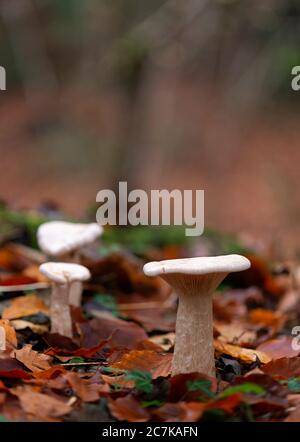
x=180 y=412
x=283 y=368
x=121 y=333
x=10 y=333
x=24 y=306
x=147 y=360
x=271 y=404
x=280 y=347
x=244 y=354
x=40 y=405
x=165 y=341
x=267 y=318
x=227 y=404
x=51 y=373
x=84 y=389
x=235 y=333
x=180 y=386
x=70 y=353
x=127 y=408
x=32 y=359
x=160 y=319
x=13 y=369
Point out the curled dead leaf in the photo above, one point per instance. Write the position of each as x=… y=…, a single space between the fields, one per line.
x=32 y=359
x=24 y=306
x=10 y=333
x=244 y=354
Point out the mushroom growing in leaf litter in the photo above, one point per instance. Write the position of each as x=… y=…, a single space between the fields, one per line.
x=64 y=240
x=195 y=280
x=62 y=276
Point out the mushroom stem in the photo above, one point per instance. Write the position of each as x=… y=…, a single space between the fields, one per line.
x=75 y=294
x=61 y=321
x=194 y=348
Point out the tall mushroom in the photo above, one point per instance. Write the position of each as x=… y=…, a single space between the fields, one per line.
x=195 y=280
x=64 y=241
x=62 y=276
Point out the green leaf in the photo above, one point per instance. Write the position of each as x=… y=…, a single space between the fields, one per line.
x=154 y=403
x=247 y=388
x=201 y=385
x=112 y=370
x=294 y=385
x=142 y=380
x=76 y=360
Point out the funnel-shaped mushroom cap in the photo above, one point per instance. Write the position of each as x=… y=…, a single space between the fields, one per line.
x=59 y=237
x=64 y=273
x=198 y=266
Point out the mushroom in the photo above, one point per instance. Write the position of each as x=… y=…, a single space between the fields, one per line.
x=65 y=240
x=195 y=280
x=62 y=276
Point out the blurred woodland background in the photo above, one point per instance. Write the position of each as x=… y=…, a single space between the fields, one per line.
x=188 y=94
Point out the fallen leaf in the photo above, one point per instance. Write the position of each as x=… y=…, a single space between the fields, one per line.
x=51 y=373
x=83 y=388
x=165 y=341
x=10 y=333
x=244 y=354
x=121 y=333
x=280 y=347
x=146 y=360
x=24 y=306
x=11 y=368
x=227 y=404
x=235 y=333
x=156 y=319
x=190 y=386
x=32 y=359
x=180 y=412
x=20 y=324
x=39 y=404
x=268 y=318
x=283 y=368
x=128 y=409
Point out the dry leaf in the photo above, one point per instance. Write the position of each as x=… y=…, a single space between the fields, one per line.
x=83 y=388
x=267 y=318
x=20 y=324
x=157 y=364
x=235 y=333
x=283 y=368
x=40 y=405
x=244 y=354
x=128 y=409
x=24 y=306
x=10 y=333
x=180 y=412
x=32 y=359
x=165 y=341
x=279 y=348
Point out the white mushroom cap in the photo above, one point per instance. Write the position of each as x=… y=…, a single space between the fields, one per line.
x=198 y=266
x=59 y=237
x=64 y=273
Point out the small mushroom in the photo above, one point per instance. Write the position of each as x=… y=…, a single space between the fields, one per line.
x=64 y=241
x=195 y=280
x=62 y=276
